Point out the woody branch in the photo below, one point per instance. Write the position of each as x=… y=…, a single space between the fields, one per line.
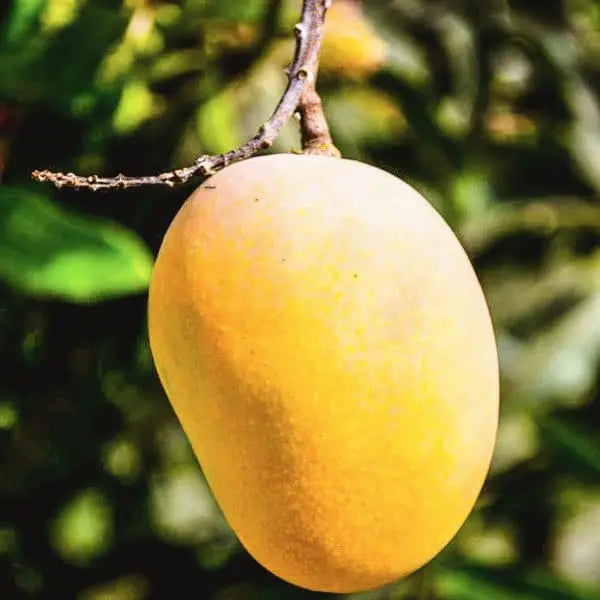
x=300 y=96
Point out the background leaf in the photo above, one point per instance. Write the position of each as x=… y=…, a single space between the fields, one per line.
x=47 y=251
x=470 y=583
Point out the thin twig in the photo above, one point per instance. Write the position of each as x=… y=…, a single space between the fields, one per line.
x=300 y=94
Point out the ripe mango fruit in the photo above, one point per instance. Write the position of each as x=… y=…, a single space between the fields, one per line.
x=327 y=347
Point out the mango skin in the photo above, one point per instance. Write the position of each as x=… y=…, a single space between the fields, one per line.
x=328 y=350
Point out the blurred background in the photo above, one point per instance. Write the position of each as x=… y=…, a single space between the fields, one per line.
x=491 y=109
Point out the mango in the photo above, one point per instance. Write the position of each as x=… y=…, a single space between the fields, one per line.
x=327 y=347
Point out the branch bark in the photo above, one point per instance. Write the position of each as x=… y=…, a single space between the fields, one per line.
x=300 y=95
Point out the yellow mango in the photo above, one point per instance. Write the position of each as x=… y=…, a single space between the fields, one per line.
x=327 y=347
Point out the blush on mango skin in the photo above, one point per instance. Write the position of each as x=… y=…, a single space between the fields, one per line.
x=327 y=347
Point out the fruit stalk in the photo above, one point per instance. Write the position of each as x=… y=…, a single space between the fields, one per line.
x=300 y=96
x=316 y=138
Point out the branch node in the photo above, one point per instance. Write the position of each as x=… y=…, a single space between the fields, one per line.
x=306 y=74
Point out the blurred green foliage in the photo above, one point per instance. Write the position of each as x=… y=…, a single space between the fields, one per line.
x=492 y=109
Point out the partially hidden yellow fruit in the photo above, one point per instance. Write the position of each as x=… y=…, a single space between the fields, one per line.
x=351 y=48
x=329 y=352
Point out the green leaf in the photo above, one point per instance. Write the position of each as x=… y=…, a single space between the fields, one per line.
x=477 y=582
x=361 y=115
x=462 y=586
x=248 y=11
x=519 y=295
x=218 y=123
x=541 y=217
x=138 y=104
x=83 y=529
x=455 y=112
x=47 y=251
x=472 y=194
x=558 y=365
x=576 y=447
x=20 y=19
x=48 y=68
x=585 y=130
